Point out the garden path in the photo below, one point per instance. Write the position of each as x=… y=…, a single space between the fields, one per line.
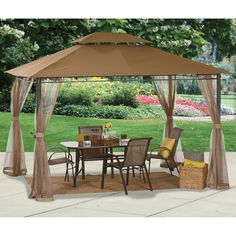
x=205 y=118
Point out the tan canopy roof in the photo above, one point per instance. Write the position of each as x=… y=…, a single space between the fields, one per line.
x=111 y=60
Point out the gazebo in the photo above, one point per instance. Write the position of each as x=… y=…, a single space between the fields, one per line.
x=107 y=54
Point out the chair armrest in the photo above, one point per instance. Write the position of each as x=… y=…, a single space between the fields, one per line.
x=55 y=150
x=117 y=157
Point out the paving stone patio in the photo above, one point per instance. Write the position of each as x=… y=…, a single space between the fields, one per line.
x=159 y=203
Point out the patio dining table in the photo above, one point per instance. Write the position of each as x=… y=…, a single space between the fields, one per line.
x=79 y=149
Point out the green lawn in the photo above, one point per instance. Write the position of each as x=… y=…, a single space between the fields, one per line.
x=227 y=100
x=195 y=137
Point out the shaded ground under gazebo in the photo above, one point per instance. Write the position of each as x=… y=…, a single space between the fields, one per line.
x=107 y=54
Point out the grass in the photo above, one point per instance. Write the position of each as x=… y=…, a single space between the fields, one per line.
x=227 y=100
x=196 y=135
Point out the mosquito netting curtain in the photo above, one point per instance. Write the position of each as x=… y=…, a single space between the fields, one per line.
x=166 y=91
x=15 y=157
x=217 y=173
x=47 y=93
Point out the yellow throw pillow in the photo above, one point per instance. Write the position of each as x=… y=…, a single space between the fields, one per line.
x=166 y=147
x=194 y=163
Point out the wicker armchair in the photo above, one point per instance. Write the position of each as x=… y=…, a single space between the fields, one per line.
x=60 y=156
x=135 y=156
x=175 y=134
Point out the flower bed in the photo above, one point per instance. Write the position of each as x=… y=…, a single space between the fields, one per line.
x=183 y=105
x=197 y=104
x=148 y=100
x=183 y=110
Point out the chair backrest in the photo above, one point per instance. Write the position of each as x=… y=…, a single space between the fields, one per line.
x=175 y=133
x=89 y=130
x=136 y=151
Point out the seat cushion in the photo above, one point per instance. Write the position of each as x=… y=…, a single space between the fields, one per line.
x=166 y=147
x=194 y=163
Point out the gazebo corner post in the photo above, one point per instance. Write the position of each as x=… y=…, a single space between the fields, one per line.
x=222 y=163
x=38 y=94
x=171 y=97
x=218 y=96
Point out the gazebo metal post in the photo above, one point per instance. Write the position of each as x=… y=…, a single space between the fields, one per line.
x=170 y=92
x=38 y=94
x=218 y=104
x=218 y=95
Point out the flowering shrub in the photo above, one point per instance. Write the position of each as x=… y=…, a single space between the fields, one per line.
x=123 y=97
x=183 y=110
x=98 y=90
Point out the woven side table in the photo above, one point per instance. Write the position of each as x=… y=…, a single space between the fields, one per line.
x=192 y=177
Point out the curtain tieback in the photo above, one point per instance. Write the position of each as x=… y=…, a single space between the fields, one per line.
x=39 y=135
x=217 y=126
x=15 y=118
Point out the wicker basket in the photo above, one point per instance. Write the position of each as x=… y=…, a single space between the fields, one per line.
x=192 y=177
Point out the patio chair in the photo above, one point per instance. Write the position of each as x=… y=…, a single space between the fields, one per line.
x=175 y=134
x=60 y=156
x=93 y=154
x=135 y=156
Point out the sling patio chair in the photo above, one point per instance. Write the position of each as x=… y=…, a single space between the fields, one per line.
x=135 y=156
x=167 y=150
x=60 y=156
x=93 y=154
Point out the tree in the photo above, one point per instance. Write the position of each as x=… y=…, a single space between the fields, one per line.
x=175 y=36
x=221 y=34
x=15 y=50
x=51 y=35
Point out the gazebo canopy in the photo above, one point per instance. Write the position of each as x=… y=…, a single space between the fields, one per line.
x=108 y=37
x=111 y=54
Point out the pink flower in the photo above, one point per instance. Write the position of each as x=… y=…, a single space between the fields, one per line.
x=147 y=100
